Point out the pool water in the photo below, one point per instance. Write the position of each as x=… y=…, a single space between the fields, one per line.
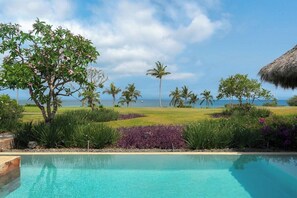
x=156 y=176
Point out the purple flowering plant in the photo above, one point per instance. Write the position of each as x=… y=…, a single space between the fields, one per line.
x=149 y=137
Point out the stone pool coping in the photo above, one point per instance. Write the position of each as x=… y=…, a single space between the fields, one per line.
x=147 y=153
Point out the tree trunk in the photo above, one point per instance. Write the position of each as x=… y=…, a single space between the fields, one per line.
x=113 y=100
x=160 y=90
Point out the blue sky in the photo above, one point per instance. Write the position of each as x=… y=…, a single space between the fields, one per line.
x=200 y=41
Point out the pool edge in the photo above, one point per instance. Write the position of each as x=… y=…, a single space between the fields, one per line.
x=148 y=153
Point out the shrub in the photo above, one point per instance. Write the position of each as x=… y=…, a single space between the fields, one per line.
x=23 y=135
x=292 y=101
x=10 y=113
x=98 y=115
x=245 y=110
x=207 y=135
x=148 y=137
x=98 y=135
x=223 y=133
x=280 y=132
x=70 y=129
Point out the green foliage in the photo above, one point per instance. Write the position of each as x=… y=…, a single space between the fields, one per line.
x=10 y=113
x=129 y=95
x=207 y=98
x=223 y=133
x=241 y=87
x=113 y=90
x=45 y=61
x=183 y=98
x=246 y=110
x=70 y=129
x=159 y=71
x=292 y=101
x=24 y=134
x=98 y=135
x=95 y=78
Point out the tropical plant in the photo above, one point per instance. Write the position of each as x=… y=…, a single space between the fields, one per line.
x=10 y=113
x=45 y=61
x=96 y=78
x=129 y=95
x=241 y=87
x=292 y=101
x=113 y=91
x=193 y=99
x=159 y=71
x=176 y=97
x=207 y=98
x=149 y=137
x=186 y=94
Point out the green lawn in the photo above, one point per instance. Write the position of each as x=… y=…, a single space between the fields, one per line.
x=155 y=116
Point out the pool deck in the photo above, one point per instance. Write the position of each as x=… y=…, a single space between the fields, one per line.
x=146 y=153
x=9 y=163
x=9 y=173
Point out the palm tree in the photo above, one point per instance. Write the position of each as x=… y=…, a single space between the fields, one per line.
x=186 y=93
x=176 y=98
x=113 y=90
x=90 y=96
x=158 y=72
x=130 y=94
x=207 y=98
x=193 y=99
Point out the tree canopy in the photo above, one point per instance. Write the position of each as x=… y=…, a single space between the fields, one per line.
x=241 y=87
x=46 y=61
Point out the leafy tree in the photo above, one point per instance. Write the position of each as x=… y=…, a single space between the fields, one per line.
x=241 y=87
x=95 y=78
x=292 y=101
x=207 y=98
x=10 y=113
x=130 y=94
x=186 y=94
x=159 y=71
x=193 y=99
x=45 y=61
x=176 y=98
x=113 y=90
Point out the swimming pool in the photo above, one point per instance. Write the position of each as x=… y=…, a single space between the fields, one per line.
x=156 y=176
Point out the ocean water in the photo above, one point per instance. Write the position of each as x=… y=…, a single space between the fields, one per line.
x=155 y=176
x=155 y=103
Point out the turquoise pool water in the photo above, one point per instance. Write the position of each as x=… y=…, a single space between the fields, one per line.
x=155 y=176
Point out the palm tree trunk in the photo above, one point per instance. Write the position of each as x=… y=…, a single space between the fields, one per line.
x=113 y=100
x=160 y=90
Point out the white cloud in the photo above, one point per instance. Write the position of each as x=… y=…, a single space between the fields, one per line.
x=179 y=76
x=129 y=35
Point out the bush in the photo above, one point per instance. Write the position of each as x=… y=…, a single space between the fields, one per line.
x=98 y=135
x=98 y=115
x=148 y=137
x=280 y=132
x=246 y=110
x=208 y=135
x=23 y=135
x=223 y=133
x=292 y=101
x=10 y=113
x=70 y=129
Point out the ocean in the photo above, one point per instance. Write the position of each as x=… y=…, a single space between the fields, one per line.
x=155 y=103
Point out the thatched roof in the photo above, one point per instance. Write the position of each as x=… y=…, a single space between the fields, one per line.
x=282 y=71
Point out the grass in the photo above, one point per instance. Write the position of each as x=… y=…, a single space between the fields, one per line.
x=155 y=116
